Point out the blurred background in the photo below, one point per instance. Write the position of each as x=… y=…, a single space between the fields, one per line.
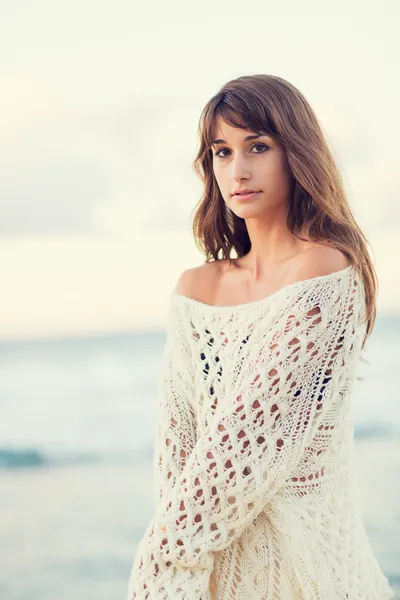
x=99 y=106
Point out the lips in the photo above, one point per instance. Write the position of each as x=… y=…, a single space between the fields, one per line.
x=244 y=192
x=244 y=195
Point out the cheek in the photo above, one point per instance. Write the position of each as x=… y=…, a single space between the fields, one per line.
x=277 y=169
x=220 y=178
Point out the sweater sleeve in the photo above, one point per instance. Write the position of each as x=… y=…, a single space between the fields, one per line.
x=259 y=434
x=175 y=440
x=176 y=420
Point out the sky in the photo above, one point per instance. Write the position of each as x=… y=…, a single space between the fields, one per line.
x=99 y=108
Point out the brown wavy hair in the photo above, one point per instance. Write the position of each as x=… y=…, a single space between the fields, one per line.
x=318 y=207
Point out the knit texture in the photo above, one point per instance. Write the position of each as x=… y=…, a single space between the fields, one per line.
x=253 y=462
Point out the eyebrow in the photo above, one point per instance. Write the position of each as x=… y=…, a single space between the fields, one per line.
x=246 y=139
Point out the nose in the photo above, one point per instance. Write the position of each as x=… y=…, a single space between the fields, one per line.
x=240 y=169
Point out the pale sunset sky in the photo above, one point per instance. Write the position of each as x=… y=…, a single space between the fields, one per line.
x=99 y=106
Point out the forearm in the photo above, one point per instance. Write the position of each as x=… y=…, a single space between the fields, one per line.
x=174 y=442
x=255 y=442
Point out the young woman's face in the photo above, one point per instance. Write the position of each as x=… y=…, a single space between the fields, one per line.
x=257 y=164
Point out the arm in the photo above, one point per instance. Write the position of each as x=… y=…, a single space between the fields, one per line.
x=259 y=434
x=176 y=421
x=174 y=441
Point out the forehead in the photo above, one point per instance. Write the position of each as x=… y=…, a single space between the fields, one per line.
x=227 y=133
x=221 y=127
x=234 y=128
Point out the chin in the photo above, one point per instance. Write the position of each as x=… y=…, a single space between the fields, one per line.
x=248 y=212
x=250 y=207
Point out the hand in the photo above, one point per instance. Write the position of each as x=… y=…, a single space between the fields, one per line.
x=149 y=569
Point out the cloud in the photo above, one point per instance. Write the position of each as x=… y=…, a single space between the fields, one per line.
x=129 y=167
x=64 y=170
x=48 y=186
x=26 y=99
x=377 y=193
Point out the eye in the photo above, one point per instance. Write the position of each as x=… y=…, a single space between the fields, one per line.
x=263 y=146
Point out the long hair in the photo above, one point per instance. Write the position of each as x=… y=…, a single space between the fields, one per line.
x=318 y=207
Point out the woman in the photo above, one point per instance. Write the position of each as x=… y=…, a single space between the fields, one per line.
x=253 y=461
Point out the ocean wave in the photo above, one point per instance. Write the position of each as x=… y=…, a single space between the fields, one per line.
x=375 y=431
x=33 y=458
x=17 y=458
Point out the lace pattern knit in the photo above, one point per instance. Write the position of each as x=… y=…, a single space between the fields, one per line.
x=253 y=460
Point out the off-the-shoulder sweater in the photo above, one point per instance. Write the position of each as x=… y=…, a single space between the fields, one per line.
x=253 y=461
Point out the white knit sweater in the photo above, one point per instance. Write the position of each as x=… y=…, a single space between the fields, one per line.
x=254 y=452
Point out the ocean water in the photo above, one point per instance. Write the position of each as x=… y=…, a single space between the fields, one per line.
x=77 y=423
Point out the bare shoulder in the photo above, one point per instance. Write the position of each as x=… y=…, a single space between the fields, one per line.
x=319 y=259
x=195 y=278
x=185 y=282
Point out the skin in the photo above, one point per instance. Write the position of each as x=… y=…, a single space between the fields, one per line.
x=276 y=258
x=276 y=255
x=258 y=164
